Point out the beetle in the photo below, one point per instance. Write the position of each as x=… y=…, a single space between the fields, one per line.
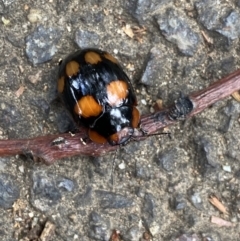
x=99 y=94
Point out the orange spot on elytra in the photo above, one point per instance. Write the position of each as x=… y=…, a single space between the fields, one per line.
x=135 y=117
x=60 y=84
x=72 y=68
x=94 y=136
x=92 y=57
x=87 y=106
x=117 y=91
x=110 y=57
x=114 y=138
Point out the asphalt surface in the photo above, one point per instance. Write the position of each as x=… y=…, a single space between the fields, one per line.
x=159 y=188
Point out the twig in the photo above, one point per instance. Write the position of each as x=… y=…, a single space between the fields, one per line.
x=53 y=147
x=221 y=222
x=216 y=203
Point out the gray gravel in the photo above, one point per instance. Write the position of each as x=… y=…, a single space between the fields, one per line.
x=160 y=186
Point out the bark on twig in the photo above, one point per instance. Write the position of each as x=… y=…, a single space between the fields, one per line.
x=53 y=147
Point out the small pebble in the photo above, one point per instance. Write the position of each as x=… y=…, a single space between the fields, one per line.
x=34 y=16
x=18 y=219
x=144 y=102
x=41 y=44
x=75 y=236
x=86 y=39
x=21 y=169
x=5 y=21
x=154 y=228
x=196 y=200
x=227 y=168
x=122 y=166
x=34 y=222
x=152 y=110
x=35 y=77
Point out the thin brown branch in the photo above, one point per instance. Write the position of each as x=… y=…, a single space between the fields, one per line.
x=200 y=100
x=53 y=147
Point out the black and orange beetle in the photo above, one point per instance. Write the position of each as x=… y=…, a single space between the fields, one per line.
x=98 y=94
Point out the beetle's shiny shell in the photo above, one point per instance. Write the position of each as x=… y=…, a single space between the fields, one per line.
x=99 y=95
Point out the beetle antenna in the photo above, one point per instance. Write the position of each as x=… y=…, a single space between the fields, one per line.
x=144 y=133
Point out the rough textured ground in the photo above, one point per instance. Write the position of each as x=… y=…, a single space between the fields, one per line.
x=161 y=186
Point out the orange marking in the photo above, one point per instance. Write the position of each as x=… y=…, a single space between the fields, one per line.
x=87 y=106
x=135 y=117
x=95 y=137
x=60 y=84
x=72 y=68
x=114 y=138
x=92 y=57
x=117 y=91
x=121 y=136
x=110 y=57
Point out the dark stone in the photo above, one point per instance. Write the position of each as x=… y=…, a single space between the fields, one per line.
x=148 y=210
x=230 y=113
x=218 y=18
x=15 y=41
x=132 y=234
x=156 y=64
x=140 y=192
x=3 y=62
x=48 y=189
x=65 y=122
x=230 y=26
x=142 y=9
x=88 y=18
x=42 y=105
x=84 y=199
x=11 y=78
x=65 y=184
x=168 y=159
x=231 y=109
x=133 y=218
x=177 y=30
x=2 y=233
x=62 y=6
x=206 y=155
x=41 y=44
x=9 y=191
x=99 y=228
x=2 y=8
x=8 y=2
x=195 y=198
x=86 y=39
x=177 y=202
x=9 y=115
x=44 y=189
x=113 y=200
x=211 y=236
x=142 y=172
x=226 y=66
x=237 y=174
x=208 y=14
x=189 y=219
x=238 y=3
